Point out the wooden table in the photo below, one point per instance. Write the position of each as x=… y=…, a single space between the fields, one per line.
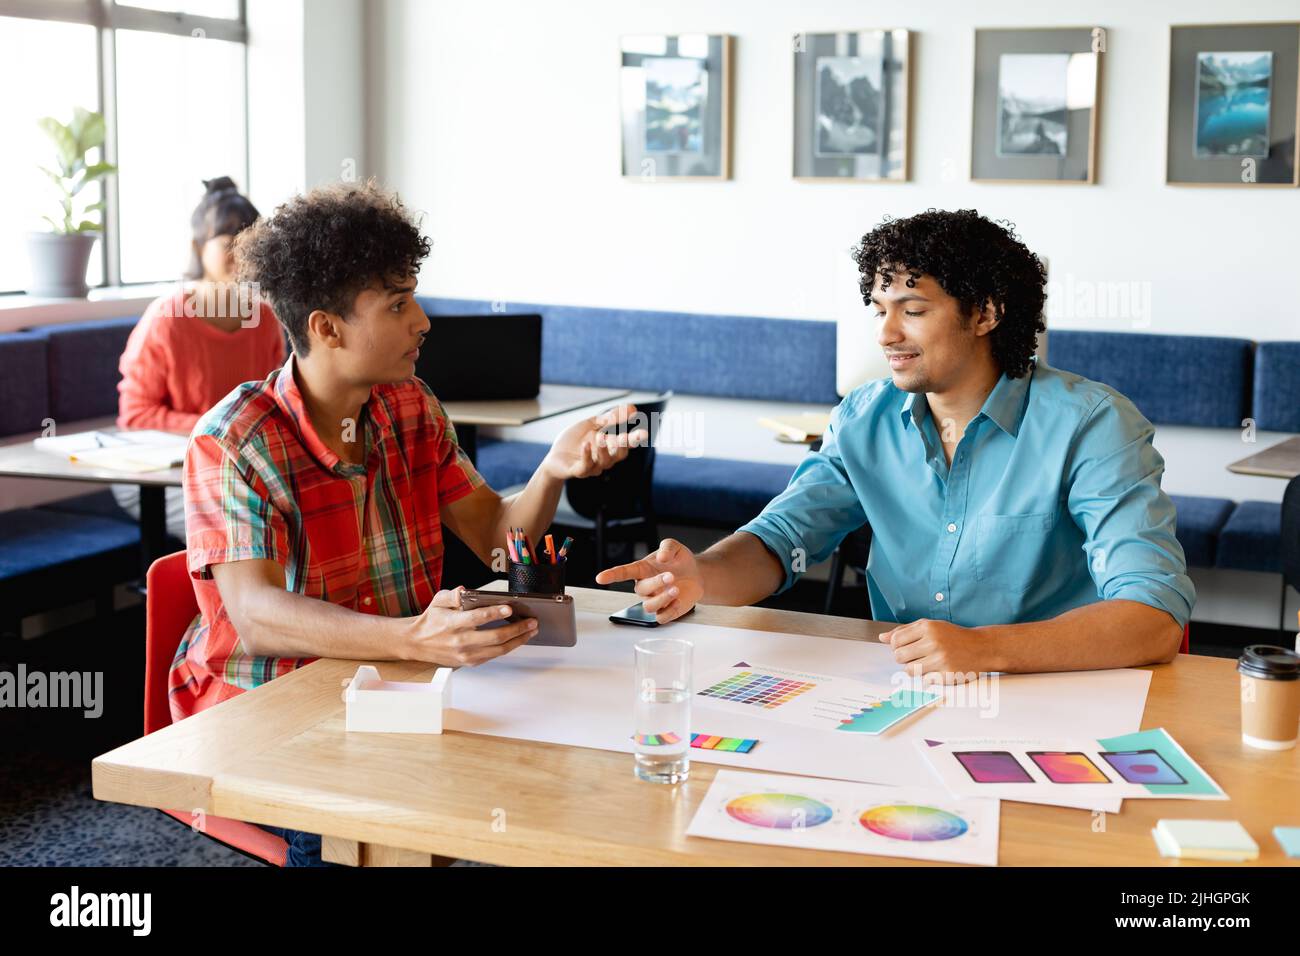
x=22 y=460
x=552 y=400
x=1277 y=461
x=279 y=755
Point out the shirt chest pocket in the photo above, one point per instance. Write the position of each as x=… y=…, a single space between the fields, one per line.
x=1009 y=549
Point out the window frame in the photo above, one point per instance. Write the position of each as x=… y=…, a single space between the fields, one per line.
x=107 y=17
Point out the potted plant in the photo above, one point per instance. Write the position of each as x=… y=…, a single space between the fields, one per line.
x=59 y=258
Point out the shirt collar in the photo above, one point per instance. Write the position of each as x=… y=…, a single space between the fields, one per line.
x=1005 y=405
x=912 y=410
x=375 y=426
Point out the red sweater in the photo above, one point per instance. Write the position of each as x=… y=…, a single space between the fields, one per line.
x=177 y=366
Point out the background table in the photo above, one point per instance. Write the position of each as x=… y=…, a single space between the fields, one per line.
x=552 y=400
x=279 y=755
x=22 y=460
x=1277 y=461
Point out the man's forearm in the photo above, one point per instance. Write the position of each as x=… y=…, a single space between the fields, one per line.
x=532 y=509
x=738 y=571
x=277 y=623
x=1116 y=633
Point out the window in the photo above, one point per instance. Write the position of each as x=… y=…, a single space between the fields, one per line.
x=203 y=8
x=50 y=85
x=169 y=75
x=171 y=136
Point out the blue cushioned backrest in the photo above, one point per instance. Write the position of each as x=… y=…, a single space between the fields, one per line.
x=791 y=360
x=1277 y=386
x=1172 y=379
x=24 y=382
x=83 y=367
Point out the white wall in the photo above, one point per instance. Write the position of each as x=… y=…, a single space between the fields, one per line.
x=276 y=125
x=500 y=120
x=334 y=79
x=306 y=110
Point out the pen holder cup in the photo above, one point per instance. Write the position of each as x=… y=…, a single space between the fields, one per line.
x=543 y=578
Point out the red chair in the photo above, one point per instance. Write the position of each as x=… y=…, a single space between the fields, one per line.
x=1187 y=639
x=170 y=606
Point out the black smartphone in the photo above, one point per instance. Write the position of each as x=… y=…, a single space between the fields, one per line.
x=636 y=614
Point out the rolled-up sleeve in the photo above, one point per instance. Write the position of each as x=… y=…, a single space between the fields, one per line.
x=229 y=515
x=1127 y=521
x=804 y=524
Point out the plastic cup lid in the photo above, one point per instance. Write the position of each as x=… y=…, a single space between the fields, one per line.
x=1269 y=661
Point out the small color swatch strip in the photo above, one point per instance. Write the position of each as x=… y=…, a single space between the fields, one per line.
x=740 y=745
x=657 y=740
x=757 y=690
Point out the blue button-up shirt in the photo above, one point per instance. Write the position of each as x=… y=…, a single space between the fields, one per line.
x=1052 y=501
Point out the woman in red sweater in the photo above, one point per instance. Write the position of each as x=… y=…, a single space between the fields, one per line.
x=192 y=347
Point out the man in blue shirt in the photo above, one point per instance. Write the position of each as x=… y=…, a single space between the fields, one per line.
x=1017 y=517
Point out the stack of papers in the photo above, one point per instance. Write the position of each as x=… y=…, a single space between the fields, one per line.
x=135 y=451
x=1205 y=840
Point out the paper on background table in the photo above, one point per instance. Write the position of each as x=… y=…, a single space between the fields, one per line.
x=913 y=822
x=1040 y=788
x=583 y=696
x=143 y=450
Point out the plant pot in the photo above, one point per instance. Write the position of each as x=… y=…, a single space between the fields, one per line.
x=59 y=264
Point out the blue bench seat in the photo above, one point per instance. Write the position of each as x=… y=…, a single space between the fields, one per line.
x=1251 y=539
x=37 y=539
x=715 y=492
x=1200 y=522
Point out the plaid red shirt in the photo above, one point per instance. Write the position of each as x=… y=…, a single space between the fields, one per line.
x=260 y=483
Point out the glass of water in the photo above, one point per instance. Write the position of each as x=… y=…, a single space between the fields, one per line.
x=663 y=710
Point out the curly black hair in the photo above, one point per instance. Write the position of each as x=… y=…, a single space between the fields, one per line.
x=318 y=250
x=974 y=260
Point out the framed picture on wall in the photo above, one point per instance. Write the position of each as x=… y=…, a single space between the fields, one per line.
x=851 y=106
x=1232 y=105
x=676 y=103
x=1036 y=105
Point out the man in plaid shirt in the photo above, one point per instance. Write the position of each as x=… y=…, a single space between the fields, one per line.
x=315 y=499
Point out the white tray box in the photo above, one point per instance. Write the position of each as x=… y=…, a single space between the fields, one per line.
x=379 y=706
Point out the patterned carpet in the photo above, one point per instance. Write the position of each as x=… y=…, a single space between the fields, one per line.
x=49 y=818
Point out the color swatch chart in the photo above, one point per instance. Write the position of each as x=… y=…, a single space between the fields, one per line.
x=740 y=745
x=821 y=701
x=852 y=817
x=1147 y=764
x=758 y=690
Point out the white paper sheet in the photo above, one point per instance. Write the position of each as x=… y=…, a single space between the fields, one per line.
x=913 y=822
x=583 y=696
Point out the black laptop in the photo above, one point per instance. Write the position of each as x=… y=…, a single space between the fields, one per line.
x=478 y=357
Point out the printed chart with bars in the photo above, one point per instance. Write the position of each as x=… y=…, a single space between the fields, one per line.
x=810 y=700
